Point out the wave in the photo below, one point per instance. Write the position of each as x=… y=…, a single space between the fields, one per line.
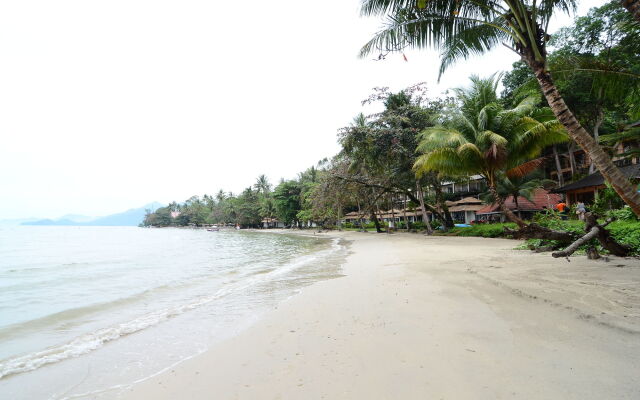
x=66 y=316
x=91 y=341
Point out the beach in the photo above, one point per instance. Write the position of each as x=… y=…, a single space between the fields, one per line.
x=418 y=317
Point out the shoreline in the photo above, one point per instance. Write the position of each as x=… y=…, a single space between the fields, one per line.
x=501 y=322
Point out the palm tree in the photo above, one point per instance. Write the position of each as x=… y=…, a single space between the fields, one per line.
x=488 y=140
x=519 y=186
x=461 y=28
x=262 y=185
x=221 y=196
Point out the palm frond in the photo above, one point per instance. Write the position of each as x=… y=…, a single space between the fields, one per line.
x=525 y=168
x=445 y=160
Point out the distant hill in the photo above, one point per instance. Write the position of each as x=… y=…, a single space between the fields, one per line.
x=131 y=217
x=61 y=221
x=16 y=221
x=77 y=218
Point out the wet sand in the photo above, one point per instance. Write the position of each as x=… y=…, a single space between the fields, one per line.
x=419 y=317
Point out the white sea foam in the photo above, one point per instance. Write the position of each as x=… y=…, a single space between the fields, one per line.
x=91 y=341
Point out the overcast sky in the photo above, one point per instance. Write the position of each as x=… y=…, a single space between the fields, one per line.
x=109 y=105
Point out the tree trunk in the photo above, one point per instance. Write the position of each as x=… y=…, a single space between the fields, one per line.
x=425 y=217
x=404 y=212
x=393 y=216
x=609 y=171
x=596 y=136
x=362 y=228
x=339 y=221
x=558 y=166
x=374 y=218
x=447 y=221
x=508 y=213
x=574 y=246
x=633 y=6
x=435 y=212
x=572 y=159
x=515 y=200
x=595 y=231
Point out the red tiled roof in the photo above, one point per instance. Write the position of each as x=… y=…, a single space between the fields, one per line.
x=541 y=198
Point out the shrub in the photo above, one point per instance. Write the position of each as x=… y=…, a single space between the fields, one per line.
x=622 y=214
x=626 y=232
x=482 y=230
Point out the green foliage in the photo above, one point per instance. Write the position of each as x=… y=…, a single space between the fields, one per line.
x=627 y=232
x=622 y=214
x=461 y=29
x=421 y=226
x=552 y=220
x=486 y=138
x=287 y=201
x=482 y=230
x=607 y=200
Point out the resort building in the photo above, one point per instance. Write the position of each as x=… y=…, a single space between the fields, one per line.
x=272 y=223
x=540 y=201
x=472 y=186
x=586 y=189
x=464 y=210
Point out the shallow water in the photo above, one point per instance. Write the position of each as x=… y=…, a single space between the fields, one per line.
x=92 y=309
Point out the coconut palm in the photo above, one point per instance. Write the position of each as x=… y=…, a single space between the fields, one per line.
x=488 y=140
x=221 y=196
x=461 y=28
x=518 y=186
x=262 y=185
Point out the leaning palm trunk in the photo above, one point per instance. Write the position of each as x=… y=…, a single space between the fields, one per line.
x=425 y=217
x=633 y=6
x=609 y=171
x=503 y=207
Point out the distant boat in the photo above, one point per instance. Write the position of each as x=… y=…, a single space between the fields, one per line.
x=214 y=228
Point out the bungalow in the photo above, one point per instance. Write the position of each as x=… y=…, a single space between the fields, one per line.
x=413 y=215
x=540 y=201
x=465 y=209
x=586 y=189
x=272 y=223
x=355 y=216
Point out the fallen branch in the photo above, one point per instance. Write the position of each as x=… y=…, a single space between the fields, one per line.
x=595 y=231
x=574 y=246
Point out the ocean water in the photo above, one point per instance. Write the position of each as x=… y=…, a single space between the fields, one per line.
x=87 y=311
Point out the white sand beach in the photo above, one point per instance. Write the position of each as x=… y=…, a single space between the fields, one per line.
x=419 y=317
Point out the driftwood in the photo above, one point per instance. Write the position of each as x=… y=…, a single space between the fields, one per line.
x=595 y=231
x=535 y=231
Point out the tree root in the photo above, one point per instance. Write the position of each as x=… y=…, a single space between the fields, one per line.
x=535 y=231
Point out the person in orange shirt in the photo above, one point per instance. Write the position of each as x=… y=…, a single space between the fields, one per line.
x=562 y=208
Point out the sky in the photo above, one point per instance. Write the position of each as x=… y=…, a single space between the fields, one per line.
x=110 y=105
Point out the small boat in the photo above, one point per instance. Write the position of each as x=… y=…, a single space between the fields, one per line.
x=213 y=229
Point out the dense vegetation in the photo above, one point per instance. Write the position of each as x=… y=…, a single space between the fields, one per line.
x=401 y=155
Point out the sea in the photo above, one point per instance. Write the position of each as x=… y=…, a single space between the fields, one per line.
x=85 y=312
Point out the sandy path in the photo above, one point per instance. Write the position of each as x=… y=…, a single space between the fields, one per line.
x=434 y=318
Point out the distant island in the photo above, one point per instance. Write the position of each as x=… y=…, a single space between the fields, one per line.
x=132 y=217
